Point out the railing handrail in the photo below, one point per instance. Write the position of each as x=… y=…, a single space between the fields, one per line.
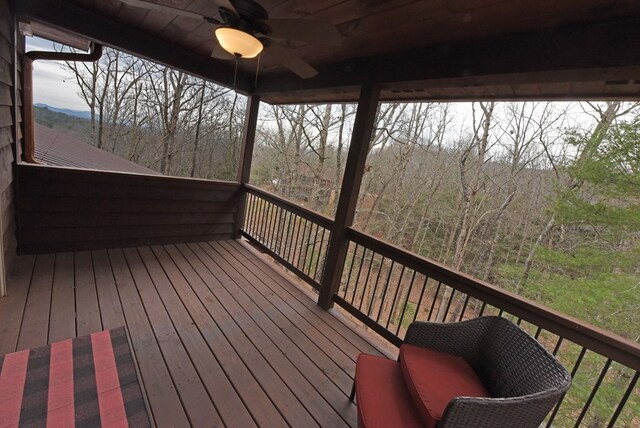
x=306 y=213
x=596 y=339
x=604 y=342
x=92 y=172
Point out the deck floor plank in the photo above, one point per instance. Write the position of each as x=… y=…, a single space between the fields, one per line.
x=341 y=334
x=331 y=358
x=35 y=321
x=12 y=306
x=294 y=344
x=238 y=328
x=195 y=399
x=88 y=318
x=166 y=407
x=108 y=297
x=220 y=335
x=62 y=320
x=295 y=368
x=201 y=304
x=222 y=394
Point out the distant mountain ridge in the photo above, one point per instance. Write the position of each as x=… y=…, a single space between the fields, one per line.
x=79 y=127
x=68 y=112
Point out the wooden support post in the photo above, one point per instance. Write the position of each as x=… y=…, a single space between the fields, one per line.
x=246 y=155
x=354 y=170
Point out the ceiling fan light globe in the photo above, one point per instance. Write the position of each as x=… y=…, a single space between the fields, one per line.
x=237 y=42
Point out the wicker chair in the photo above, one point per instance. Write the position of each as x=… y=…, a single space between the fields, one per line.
x=524 y=380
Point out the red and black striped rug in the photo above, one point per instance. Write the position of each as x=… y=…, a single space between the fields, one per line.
x=85 y=382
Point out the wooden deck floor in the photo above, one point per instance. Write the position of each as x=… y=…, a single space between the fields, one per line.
x=221 y=337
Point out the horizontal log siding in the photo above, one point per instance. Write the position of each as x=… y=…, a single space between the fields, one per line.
x=8 y=133
x=63 y=209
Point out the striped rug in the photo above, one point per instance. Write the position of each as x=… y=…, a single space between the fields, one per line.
x=85 y=382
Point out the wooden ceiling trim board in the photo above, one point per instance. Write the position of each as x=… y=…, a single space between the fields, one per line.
x=525 y=89
x=396 y=20
x=621 y=90
x=557 y=88
x=440 y=24
x=199 y=35
x=107 y=7
x=427 y=27
x=627 y=88
x=360 y=39
x=368 y=29
x=595 y=47
x=583 y=88
x=177 y=28
x=76 y=19
x=156 y=21
x=181 y=26
x=294 y=8
x=452 y=92
x=473 y=55
x=337 y=11
x=131 y=15
x=206 y=47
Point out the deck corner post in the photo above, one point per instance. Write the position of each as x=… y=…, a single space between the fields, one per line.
x=246 y=155
x=349 y=191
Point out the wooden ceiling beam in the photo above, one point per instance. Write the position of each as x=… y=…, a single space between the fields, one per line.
x=73 y=18
x=596 y=52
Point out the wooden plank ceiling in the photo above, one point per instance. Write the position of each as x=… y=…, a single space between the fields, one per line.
x=416 y=49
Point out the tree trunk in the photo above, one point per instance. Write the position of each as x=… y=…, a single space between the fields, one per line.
x=529 y=261
x=197 y=136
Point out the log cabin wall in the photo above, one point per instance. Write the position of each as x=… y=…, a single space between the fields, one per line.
x=10 y=129
x=63 y=209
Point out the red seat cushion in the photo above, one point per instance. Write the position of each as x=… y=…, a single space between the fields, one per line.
x=383 y=399
x=435 y=378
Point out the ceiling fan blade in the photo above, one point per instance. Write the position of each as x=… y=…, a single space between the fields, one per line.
x=290 y=60
x=220 y=53
x=166 y=9
x=227 y=5
x=305 y=30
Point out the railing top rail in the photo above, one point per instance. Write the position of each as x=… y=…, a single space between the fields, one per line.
x=126 y=175
x=594 y=338
x=317 y=218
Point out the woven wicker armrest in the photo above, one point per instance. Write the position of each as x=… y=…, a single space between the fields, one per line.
x=521 y=412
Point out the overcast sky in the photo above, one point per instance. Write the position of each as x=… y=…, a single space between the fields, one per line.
x=56 y=87
x=51 y=84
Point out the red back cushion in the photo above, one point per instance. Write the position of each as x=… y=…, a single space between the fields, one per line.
x=435 y=378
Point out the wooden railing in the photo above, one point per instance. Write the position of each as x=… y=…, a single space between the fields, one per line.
x=387 y=288
x=295 y=236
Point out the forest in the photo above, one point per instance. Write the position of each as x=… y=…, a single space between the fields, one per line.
x=161 y=118
x=540 y=198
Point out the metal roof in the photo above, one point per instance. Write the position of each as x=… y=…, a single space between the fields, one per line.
x=53 y=147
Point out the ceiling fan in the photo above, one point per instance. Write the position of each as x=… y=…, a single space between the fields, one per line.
x=242 y=29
